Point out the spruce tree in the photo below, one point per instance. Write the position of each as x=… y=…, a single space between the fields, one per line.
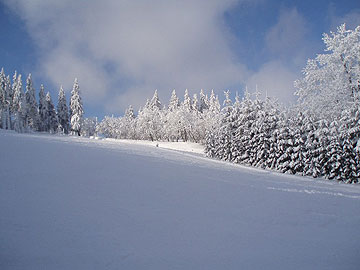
x=42 y=110
x=76 y=109
x=174 y=102
x=18 y=106
x=62 y=112
x=187 y=101
x=204 y=103
x=155 y=101
x=2 y=99
x=31 y=111
x=51 y=118
x=226 y=130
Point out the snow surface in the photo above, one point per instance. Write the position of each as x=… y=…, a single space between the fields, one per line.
x=76 y=203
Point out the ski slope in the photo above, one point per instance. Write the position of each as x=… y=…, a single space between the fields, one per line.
x=77 y=203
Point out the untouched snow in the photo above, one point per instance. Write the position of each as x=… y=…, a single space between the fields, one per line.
x=76 y=203
x=179 y=146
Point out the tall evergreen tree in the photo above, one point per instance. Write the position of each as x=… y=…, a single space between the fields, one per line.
x=174 y=102
x=187 y=101
x=3 y=98
x=31 y=114
x=76 y=109
x=42 y=109
x=51 y=118
x=18 y=106
x=155 y=101
x=204 y=104
x=62 y=112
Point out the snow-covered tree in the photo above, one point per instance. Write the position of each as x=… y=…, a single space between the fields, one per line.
x=129 y=124
x=51 y=122
x=109 y=127
x=203 y=103
x=88 y=127
x=186 y=105
x=155 y=101
x=195 y=103
x=76 y=109
x=43 y=110
x=18 y=106
x=332 y=80
x=3 y=95
x=62 y=112
x=31 y=111
x=171 y=119
x=149 y=120
x=174 y=102
x=226 y=132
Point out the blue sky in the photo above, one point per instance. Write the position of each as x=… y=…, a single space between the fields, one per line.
x=122 y=50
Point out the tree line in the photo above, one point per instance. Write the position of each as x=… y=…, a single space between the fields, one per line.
x=185 y=121
x=318 y=136
x=20 y=111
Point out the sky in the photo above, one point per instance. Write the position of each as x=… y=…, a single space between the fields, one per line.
x=122 y=50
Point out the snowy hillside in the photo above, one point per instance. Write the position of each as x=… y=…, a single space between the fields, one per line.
x=76 y=203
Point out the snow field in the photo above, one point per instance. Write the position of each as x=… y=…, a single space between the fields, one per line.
x=76 y=203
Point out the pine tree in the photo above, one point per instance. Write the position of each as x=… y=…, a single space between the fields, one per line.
x=13 y=88
x=204 y=103
x=334 y=157
x=76 y=109
x=184 y=118
x=18 y=106
x=150 y=120
x=42 y=110
x=195 y=103
x=3 y=98
x=174 y=102
x=321 y=151
x=187 y=101
x=311 y=164
x=155 y=101
x=212 y=126
x=62 y=112
x=31 y=112
x=129 y=123
x=171 y=119
x=51 y=118
x=224 y=151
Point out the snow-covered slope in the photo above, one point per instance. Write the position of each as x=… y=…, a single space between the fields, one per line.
x=75 y=203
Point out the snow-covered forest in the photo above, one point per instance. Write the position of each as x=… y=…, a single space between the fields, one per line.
x=20 y=111
x=317 y=136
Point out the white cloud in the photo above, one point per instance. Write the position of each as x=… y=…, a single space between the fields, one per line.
x=286 y=39
x=276 y=80
x=352 y=19
x=286 y=47
x=122 y=50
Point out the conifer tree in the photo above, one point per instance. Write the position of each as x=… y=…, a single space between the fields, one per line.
x=129 y=123
x=31 y=111
x=51 y=118
x=226 y=130
x=204 y=104
x=155 y=101
x=42 y=110
x=76 y=109
x=195 y=103
x=18 y=106
x=62 y=112
x=3 y=94
x=186 y=105
x=174 y=102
